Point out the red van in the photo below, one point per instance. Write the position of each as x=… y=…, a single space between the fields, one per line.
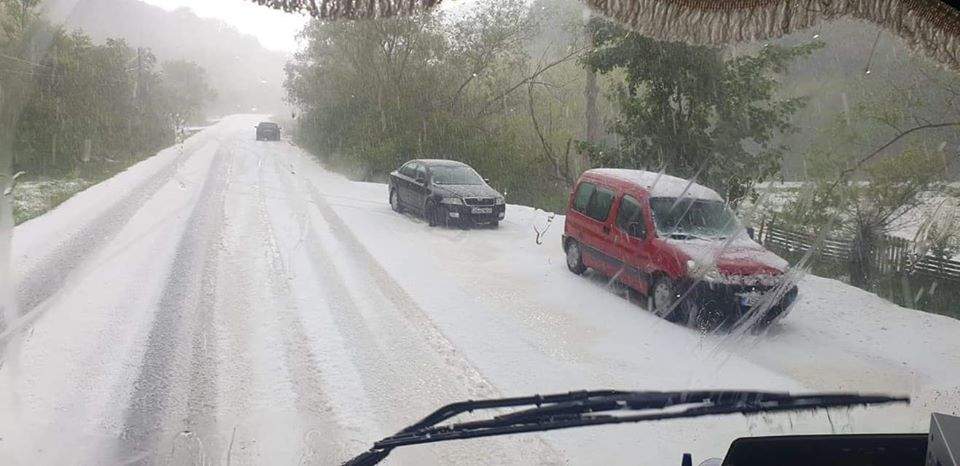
x=678 y=243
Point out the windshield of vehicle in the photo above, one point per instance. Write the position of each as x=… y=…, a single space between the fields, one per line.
x=454 y=175
x=275 y=231
x=692 y=218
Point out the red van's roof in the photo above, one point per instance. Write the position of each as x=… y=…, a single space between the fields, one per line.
x=657 y=184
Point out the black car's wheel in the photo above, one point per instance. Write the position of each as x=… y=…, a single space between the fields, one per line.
x=395 y=201
x=431 y=211
x=575 y=257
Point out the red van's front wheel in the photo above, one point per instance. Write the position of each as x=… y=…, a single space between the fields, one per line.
x=665 y=301
x=575 y=257
x=678 y=303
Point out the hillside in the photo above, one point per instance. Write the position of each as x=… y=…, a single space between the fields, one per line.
x=246 y=76
x=861 y=65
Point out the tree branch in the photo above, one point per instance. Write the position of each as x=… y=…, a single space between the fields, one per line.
x=547 y=150
x=856 y=166
x=532 y=77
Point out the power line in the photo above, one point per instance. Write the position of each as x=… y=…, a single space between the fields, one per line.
x=873 y=49
x=27 y=62
x=19 y=72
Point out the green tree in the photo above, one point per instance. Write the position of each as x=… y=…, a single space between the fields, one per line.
x=695 y=112
x=73 y=101
x=869 y=207
x=375 y=93
x=865 y=196
x=185 y=90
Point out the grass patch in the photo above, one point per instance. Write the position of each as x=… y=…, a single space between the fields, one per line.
x=35 y=195
x=33 y=198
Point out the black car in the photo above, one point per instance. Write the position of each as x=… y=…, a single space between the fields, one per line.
x=268 y=131
x=445 y=192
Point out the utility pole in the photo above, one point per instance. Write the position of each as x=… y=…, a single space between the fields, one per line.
x=23 y=15
x=139 y=86
x=590 y=92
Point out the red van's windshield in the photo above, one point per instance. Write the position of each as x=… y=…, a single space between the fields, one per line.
x=686 y=218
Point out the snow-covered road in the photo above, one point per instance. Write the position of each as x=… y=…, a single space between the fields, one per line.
x=229 y=301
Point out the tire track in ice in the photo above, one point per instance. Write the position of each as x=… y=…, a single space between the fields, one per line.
x=385 y=385
x=239 y=372
x=178 y=347
x=402 y=301
x=304 y=372
x=408 y=365
x=381 y=280
x=48 y=276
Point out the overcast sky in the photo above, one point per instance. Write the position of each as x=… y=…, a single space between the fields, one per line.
x=275 y=29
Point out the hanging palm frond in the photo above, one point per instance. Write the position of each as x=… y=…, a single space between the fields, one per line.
x=351 y=9
x=929 y=26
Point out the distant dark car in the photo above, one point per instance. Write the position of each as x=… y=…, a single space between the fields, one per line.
x=445 y=192
x=267 y=131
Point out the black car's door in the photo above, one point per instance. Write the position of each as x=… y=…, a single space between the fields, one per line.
x=406 y=177
x=420 y=187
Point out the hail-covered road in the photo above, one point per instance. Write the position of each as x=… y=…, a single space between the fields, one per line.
x=229 y=301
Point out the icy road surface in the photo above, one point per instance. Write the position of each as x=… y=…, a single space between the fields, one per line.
x=229 y=301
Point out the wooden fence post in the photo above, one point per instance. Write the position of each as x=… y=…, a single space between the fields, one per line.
x=87 y=144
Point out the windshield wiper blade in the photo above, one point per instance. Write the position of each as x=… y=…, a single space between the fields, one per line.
x=679 y=235
x=585 y=408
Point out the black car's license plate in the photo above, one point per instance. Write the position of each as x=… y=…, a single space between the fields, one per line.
x=481 y=210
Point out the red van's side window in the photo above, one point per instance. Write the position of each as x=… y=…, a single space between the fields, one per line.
x=629 y=212
x=599 y=206
x=584 y=192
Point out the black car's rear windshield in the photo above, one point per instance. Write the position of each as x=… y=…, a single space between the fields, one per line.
x=268 y=125
x=690 y=217
x=455 y=174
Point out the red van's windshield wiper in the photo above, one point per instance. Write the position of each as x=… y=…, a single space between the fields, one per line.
x=682 y=235
x=586 y=408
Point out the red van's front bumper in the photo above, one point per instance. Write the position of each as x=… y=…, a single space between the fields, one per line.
x=752 y=305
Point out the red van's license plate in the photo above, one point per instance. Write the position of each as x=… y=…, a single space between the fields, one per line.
x=481 y=210
x=749 y=299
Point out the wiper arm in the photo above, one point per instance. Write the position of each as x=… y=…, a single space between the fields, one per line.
x=377 y=454
x=678 y=235
x=586 y=408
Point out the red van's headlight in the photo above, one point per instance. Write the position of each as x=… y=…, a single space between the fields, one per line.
x=704 y=272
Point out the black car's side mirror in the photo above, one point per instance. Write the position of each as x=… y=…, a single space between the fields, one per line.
x=637 y=230
x=751 y=233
